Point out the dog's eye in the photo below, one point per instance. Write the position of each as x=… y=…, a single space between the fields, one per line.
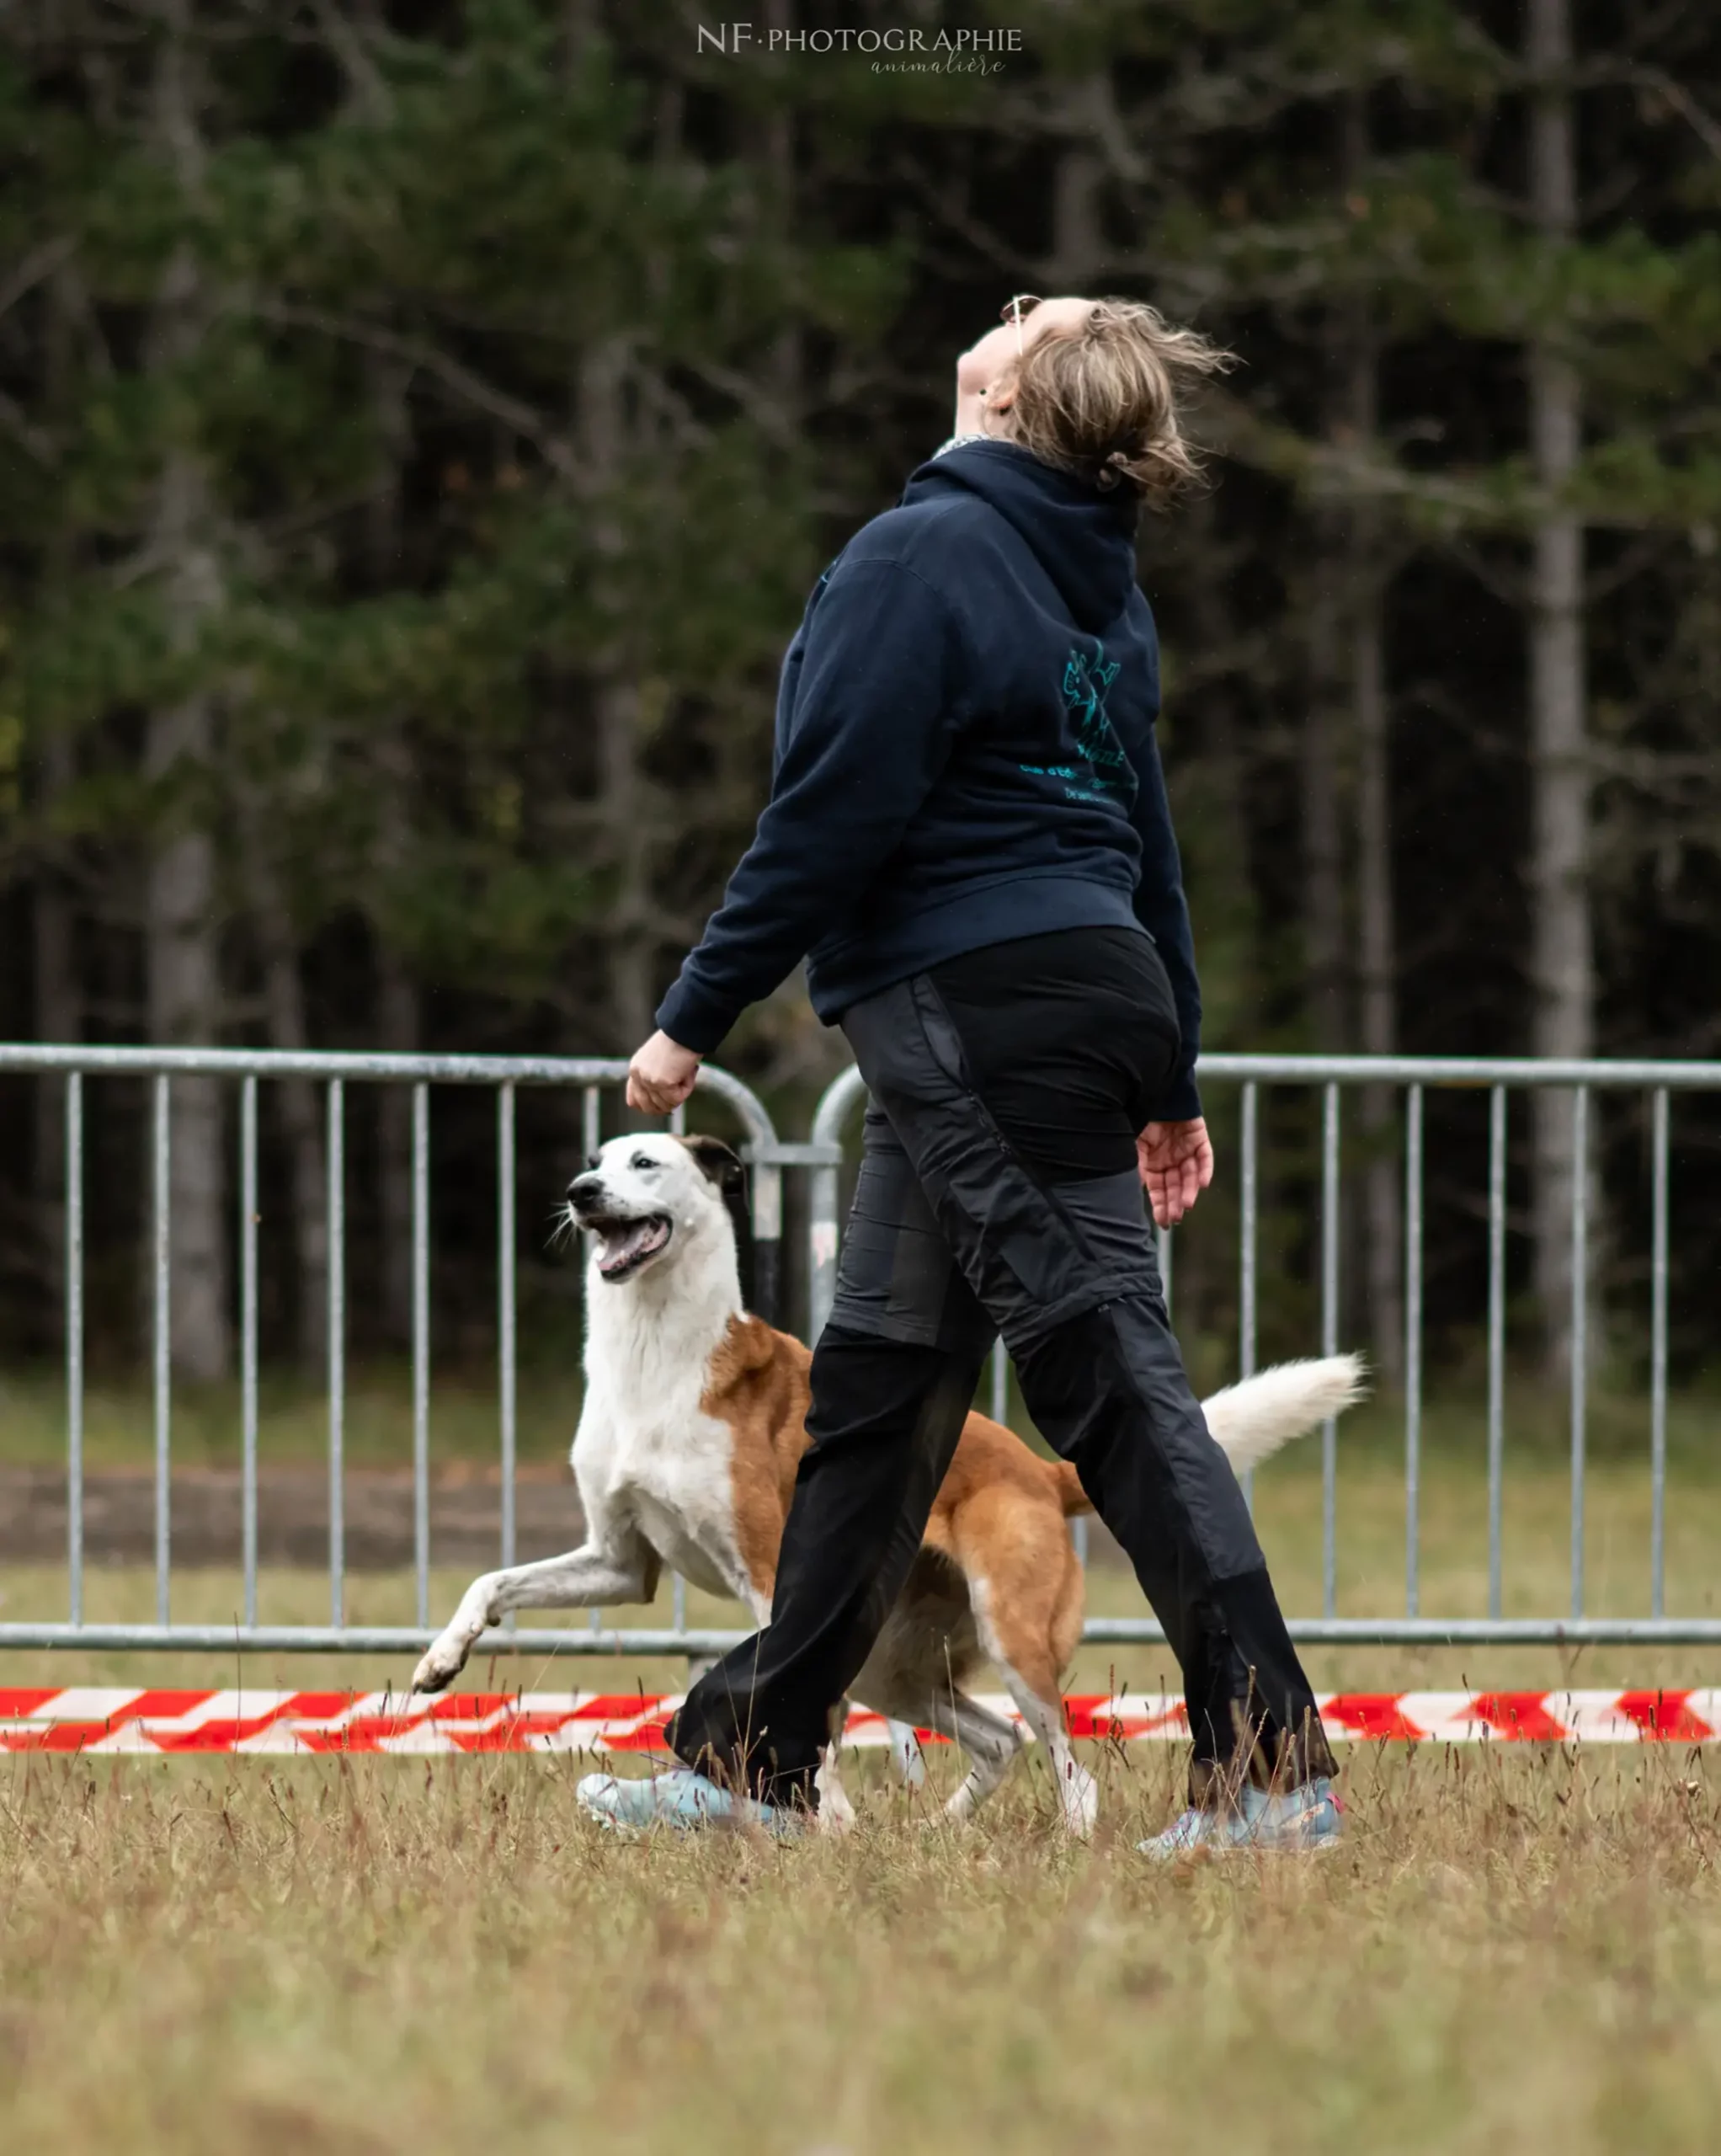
x=593 y=1160
x=643 y=1161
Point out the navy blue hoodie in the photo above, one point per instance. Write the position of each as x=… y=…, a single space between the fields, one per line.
x=965 y=755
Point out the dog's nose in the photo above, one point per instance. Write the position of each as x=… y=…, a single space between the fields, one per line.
x=582 y=1190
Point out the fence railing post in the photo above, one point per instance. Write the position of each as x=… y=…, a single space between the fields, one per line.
x=1413 y=1349
x=839 y=1100
x=1658 y=1358
x=421 y=1350
x=768 y=1240
x=1330 y=1345
x=248 y=1345
x=1247 y=1230
x=162 y=1341
x=507 y=1314
x=337 y=1210
x=74 y=1345
x=1580 y=1349
x=1496 y=1338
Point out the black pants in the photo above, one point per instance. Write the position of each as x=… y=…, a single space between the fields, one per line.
x=998 y=1192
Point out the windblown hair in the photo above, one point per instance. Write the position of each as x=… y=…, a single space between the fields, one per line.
x=1101 y=399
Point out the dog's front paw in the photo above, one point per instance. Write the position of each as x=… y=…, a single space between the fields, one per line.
x=439 y=1667
x=446 y=1657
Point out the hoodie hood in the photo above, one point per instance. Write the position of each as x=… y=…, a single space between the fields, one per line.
x=1085 y=541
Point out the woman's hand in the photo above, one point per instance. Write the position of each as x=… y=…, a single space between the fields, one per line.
x=661 y=1075
x=1176 y=1163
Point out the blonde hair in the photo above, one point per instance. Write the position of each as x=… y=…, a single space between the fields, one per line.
x=1101 y=399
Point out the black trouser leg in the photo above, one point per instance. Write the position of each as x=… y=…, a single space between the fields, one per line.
x=1066 y=1271
x=885 y=1422
x=1107 y=1388
x=893 y=1378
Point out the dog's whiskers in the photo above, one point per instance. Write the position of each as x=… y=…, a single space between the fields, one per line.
x=565 y=1228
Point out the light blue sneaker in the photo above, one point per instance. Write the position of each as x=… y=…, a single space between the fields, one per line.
x=1306 y=1818
x=682 y=1800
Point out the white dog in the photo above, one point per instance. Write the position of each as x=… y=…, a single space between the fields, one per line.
x=695 y=1422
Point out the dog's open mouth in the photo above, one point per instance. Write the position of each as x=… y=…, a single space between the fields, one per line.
x=625 y=1246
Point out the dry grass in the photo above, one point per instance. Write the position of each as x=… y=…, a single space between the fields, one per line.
x=1515 y=1949
x=1511 y=1950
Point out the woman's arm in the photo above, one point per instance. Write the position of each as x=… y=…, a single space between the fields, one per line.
x=871 y=729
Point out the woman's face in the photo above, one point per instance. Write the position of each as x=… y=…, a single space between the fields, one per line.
x=987 y=366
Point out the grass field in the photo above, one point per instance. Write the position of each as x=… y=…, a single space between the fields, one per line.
x=1516 y=1949
x=1511 y=1951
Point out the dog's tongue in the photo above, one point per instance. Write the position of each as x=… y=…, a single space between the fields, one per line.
x=627 y=1241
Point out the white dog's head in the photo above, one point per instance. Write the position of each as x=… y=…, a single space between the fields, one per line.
x=640 y=1196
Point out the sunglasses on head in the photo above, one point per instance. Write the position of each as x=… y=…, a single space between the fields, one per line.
x=1014 y=310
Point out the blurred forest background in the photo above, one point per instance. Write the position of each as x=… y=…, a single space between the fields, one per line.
x=420 y=423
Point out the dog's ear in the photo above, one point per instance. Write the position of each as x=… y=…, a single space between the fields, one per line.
x=719 y=1163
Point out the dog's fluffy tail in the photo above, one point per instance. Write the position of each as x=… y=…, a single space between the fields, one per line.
x=1251 y=1420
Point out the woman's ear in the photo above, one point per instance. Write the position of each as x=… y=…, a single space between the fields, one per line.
x=996 y=403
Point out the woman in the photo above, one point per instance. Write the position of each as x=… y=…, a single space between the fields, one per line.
x=968 y=838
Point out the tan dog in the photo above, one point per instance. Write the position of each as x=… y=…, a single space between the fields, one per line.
x=695 y=1422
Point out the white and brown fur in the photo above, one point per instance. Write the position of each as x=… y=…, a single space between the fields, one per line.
x=695 y=1422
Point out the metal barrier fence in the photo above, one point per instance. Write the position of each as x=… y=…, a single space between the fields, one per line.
x=1415 y=1075
x=502 y=1075
x=822 y=1157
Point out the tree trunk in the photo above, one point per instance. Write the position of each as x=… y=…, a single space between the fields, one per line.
x=399 y=1024
x=785 y=362
x=182 y=951
x=631 y=953
x=57 y=990
x=59 y=1017
x=629 y=956
x=397 y=1017
x=1562 y=956
x=184 y=1010
x=1228 y=924
x=284 y=1002
x=1376 y=964
x=180 y=931
x=1077 y=243
x=1323 y=845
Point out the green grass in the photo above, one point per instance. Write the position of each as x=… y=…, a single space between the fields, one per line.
x=292 y=1419
x=1510 y=1951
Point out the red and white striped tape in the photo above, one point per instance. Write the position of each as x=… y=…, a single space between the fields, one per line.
x=93 y=1719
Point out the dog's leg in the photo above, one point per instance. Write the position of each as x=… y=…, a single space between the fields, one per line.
x=990 y=1742
x=836 y=1812
x=1077 y=1792
x=592 y=1575
x=1025 y=1595
x=910 y=1761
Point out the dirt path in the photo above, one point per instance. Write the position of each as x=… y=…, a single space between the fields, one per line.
x=292 y=1517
